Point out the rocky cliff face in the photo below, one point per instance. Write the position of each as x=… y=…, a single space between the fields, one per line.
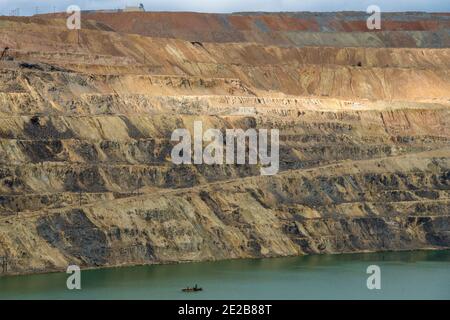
x=85 y=169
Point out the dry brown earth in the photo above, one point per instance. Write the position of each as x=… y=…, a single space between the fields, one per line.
x=85 y=170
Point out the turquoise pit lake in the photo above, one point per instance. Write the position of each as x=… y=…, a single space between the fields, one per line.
x=404 y=275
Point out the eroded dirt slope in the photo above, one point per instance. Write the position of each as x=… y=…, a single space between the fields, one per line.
x=344 y=29
x=85 y=169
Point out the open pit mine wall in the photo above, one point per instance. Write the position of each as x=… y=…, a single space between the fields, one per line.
x=351 y=73
x=345 y=29
x=85 y=170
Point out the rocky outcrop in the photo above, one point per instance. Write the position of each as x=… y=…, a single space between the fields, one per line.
x=400 y=203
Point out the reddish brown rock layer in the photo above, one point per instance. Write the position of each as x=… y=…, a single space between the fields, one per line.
x=279 y=28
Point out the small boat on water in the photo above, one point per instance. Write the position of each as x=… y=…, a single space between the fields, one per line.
x=193 y=289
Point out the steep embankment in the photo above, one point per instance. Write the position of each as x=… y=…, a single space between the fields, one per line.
x=85 y=169
x=344 y=29
x=352 y=73
x=386 y=204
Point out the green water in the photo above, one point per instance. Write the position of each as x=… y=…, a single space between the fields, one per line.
x=404 y=275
